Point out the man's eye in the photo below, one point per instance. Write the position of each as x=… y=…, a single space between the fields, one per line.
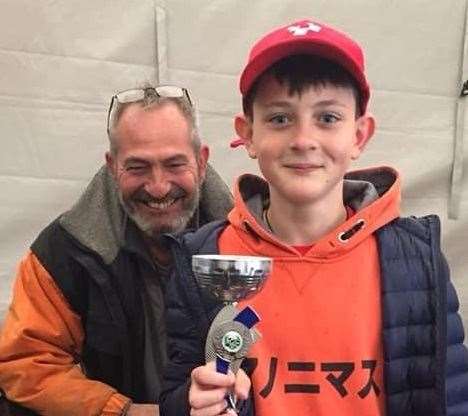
x=135 y=169
x=176 y=165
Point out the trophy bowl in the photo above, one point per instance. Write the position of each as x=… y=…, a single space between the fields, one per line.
x=230 y=278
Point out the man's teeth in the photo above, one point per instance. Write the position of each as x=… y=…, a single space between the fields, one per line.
x=161 y=205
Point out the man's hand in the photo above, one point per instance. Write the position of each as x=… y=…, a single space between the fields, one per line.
x=208 y=390
x=143 y=410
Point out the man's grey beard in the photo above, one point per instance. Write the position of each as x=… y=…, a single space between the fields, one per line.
x=176 y=226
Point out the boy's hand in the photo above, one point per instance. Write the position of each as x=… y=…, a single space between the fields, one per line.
x=208 y=390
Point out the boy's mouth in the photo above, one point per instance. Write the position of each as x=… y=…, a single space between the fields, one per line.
x=303 y=165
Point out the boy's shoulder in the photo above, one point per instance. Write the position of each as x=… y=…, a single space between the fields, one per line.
x=410 y=236
x=205 y=239
x=422 y=227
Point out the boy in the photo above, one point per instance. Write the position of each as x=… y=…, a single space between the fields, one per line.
x=357 y=317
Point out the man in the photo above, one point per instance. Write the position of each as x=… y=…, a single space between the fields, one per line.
x=85 y=333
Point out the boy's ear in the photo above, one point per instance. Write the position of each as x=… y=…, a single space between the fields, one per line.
x=365 y=127
x=243 y=127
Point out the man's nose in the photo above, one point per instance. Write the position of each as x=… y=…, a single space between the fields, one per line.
x=158 y=183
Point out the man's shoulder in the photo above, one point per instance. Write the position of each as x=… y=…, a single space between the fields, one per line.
x=93 y=222
x=52 y=237
x=97 y=220
x=56 y=249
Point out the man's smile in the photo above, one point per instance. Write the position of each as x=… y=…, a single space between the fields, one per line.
x=161 y=205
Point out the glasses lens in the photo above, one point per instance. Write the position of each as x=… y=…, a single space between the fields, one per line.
x=130 y=96
x=134 y=95
x=170 y=91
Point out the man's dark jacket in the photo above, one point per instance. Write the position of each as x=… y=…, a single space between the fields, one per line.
x=426 y=363
x=97 y=258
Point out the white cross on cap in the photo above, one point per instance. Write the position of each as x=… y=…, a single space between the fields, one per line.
x=302 y=30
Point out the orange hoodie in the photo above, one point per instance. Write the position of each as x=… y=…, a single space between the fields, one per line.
x=321 y=350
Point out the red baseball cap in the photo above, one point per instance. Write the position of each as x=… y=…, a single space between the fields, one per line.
x=306 y=37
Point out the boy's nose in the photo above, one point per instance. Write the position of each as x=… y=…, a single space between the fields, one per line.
x=304 y=138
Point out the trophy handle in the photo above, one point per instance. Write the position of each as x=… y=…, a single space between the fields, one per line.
x=229 y=339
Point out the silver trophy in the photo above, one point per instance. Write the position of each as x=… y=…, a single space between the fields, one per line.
x=230 y=279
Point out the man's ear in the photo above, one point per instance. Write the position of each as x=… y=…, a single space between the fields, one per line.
x=365 y=127
x=111 y=164
x=243 y=127
x=203 y=156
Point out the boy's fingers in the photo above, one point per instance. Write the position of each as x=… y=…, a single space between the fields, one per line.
x=200 y=398
x=207 y=376
x=208 y=390
x=213 y=410
x=242 y=385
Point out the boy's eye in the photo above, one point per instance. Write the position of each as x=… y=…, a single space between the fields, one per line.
x=279 y=119
x=328 y=118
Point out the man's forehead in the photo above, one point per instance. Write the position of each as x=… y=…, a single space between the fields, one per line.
x=152 y=131
x=166 y=112
x=165 y=119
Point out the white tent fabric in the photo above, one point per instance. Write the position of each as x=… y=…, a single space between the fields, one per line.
x=61 y=61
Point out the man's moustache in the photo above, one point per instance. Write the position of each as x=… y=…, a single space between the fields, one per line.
x=145 y=197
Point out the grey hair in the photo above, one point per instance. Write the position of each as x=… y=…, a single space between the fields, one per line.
x=150 y=102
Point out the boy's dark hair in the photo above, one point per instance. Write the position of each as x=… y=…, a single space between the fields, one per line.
x=303 y=71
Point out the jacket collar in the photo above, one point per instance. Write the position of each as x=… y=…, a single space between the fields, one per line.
x=99 y=223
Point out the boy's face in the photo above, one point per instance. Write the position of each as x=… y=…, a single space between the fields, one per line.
x=304 y=143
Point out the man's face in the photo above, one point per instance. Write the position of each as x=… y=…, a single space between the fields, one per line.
x=156 y=169
x=304 y=143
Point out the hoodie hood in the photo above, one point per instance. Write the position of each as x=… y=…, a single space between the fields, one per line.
x=99 y=222
x=373 y=194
